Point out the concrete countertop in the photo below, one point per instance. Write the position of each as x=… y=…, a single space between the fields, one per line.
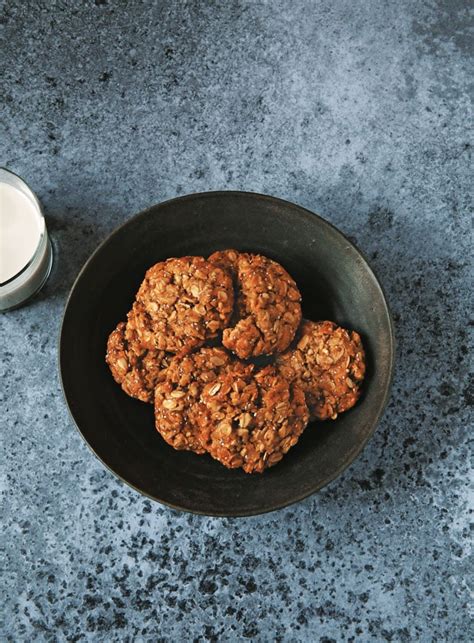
x=357 y=111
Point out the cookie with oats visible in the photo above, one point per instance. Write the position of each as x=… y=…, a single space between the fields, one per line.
x=179 y=393
x=268 y=308
x=181 y=303
x=250 y=419
x=134 y=367
x=328 y=363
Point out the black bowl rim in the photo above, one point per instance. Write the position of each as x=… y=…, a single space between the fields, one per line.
x=303 y=212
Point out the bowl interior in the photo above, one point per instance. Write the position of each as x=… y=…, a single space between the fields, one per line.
x=336 y=283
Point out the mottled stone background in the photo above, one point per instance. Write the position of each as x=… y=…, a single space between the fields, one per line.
x=356 y=110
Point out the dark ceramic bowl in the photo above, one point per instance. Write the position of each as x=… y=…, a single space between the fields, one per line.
x=336 y=283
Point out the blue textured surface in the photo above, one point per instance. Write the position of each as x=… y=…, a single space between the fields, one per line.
x=355 y=110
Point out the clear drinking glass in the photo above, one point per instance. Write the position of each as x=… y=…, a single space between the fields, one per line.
x=35 y=266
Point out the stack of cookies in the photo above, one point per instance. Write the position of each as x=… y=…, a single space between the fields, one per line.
x=190 y=344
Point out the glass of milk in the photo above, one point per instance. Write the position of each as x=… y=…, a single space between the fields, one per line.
x=26 y=255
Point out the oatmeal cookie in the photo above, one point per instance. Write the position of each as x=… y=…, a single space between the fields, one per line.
x=268 y=304
x=134 y=367
x=251 y=419
x=183 y=302
x=177 y=395
x=328 y=363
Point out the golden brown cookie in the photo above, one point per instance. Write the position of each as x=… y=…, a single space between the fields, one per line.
x=134 y=367
x=181 y=303
x=250 y=419
x=268 y=309
x=328 y=363
x=177 y=395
